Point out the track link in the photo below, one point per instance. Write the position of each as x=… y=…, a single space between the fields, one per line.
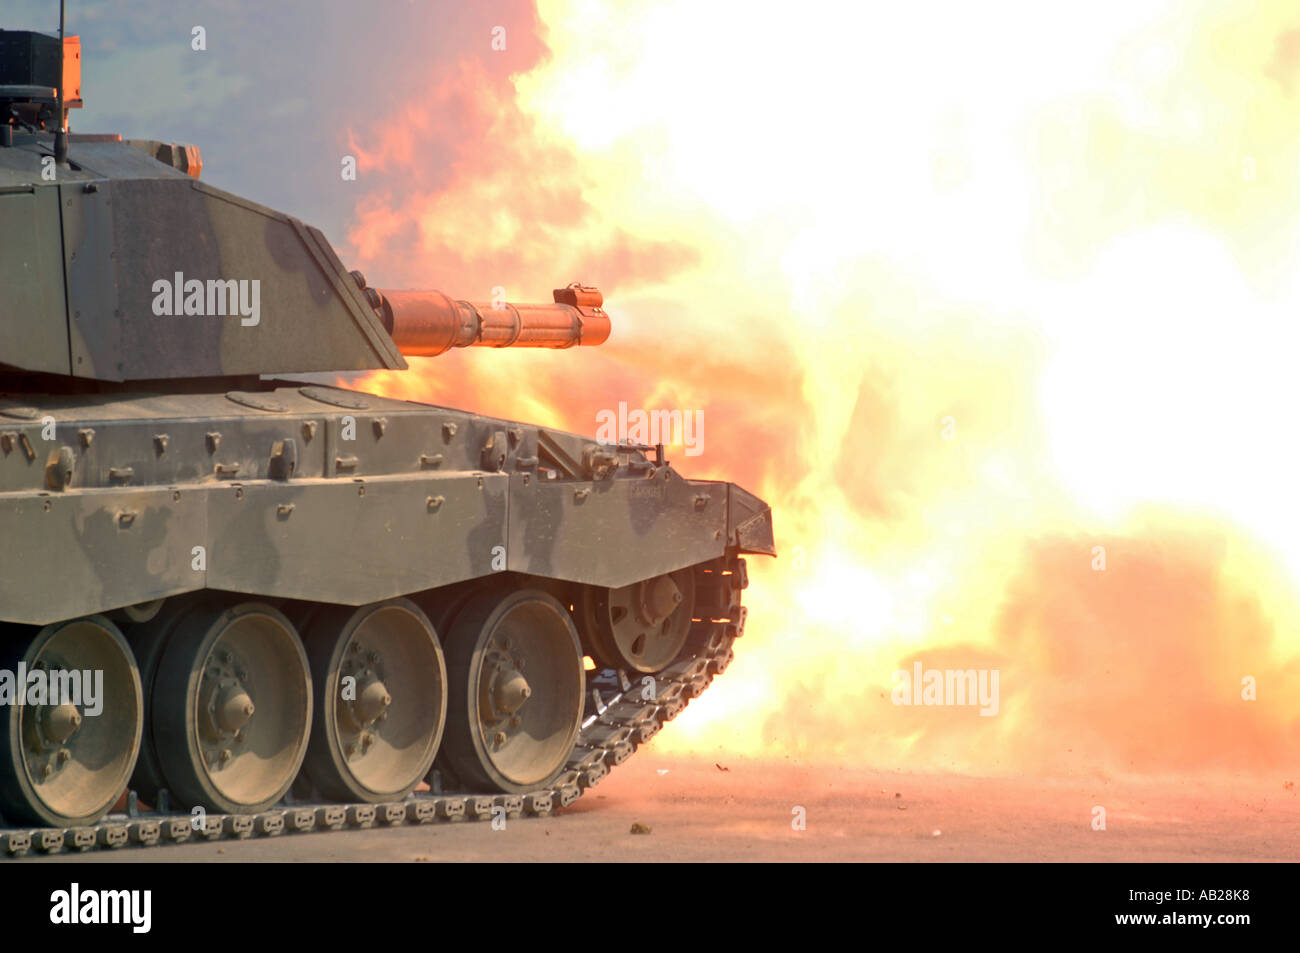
x=621 y=715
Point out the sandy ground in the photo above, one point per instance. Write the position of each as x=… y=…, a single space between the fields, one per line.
x=697 y=812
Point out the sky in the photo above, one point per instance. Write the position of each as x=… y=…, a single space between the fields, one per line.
x=271 y=99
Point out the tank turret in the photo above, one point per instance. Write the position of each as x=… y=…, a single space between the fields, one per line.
x=120 y=265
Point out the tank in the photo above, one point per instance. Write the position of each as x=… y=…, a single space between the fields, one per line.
x=235 y=603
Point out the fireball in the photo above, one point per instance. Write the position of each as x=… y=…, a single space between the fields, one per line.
x=994 y=306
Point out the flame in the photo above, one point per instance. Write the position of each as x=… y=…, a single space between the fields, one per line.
x=993 y=308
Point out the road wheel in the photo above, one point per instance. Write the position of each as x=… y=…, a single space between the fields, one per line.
x=66 y=757
x=642 y=627
x=515 y=691
x=232 y=708
x=380 y=686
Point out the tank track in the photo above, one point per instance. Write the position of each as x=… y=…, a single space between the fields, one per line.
x=620 y=715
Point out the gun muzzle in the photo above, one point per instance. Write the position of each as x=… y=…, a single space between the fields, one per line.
x=427 y=323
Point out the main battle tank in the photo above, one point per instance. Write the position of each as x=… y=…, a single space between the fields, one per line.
x=293 y=605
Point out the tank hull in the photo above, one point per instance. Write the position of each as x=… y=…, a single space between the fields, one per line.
x=314 y=493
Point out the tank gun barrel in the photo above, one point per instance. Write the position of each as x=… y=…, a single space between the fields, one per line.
x=427 y=323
